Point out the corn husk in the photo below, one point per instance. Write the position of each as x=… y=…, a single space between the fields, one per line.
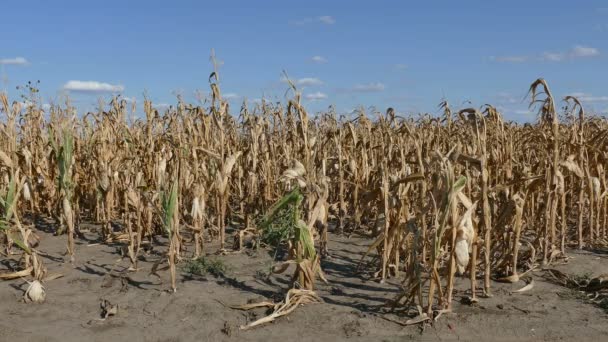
x=35 y=292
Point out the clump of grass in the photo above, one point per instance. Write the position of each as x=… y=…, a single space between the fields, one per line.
x=583 y=278
x=202 y=266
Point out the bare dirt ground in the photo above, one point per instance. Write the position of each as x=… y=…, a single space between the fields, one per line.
x=354 y=307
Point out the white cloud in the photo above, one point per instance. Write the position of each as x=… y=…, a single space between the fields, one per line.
x=161 y=106
x=400 y=66
x=584 y=51
x=523 y=112
x=305 y=82
x=92 y=87
x=595 y=99
x=585 y=97
x=26 y=103
x=370 y=87
x=230 y=96
x=517 y=114
x=14 y=61
x=327 y=19
x=316 y=96
x=579 y=94
x=507 y=98
x=509 y=59
x=129 y=99
x=520 y=115
x=576 y=52
x=553 y=56
x=309 y=81
x=319 y=59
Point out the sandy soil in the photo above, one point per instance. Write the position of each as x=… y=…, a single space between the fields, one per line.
x=354 y=307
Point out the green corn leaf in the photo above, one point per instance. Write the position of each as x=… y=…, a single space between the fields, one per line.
x=459 y=185
x=169 y=203
x=4 y=227
x=11 y=198
x=21 y=245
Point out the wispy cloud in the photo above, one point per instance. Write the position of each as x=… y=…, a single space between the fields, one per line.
x=305 y=82
x=369 y=87
x=507 y=98
x=585 y=97
x=553 y=56
x=315 y=96
x=509 y=59
x=400 y=66
x=14 y=61
x=584 y=51
x=517 y=114
x=230 y=96
x=26 y=103
x=327 y=19
x=594 y=98
x=578 y=94
x=92 y=87
x=525 y=112
x=309 y=81
x=161 y=106
x=576 y=52
x=319 y=59
x=323 y=19
x=129 y=99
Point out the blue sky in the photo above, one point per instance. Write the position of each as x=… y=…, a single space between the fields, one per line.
x=404 y=54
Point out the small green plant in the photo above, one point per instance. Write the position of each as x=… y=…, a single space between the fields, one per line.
x=280 y=229
x=8 y=202
x=285 y=214
x=170 y=218
x=169 y=204
x=202 y=266
x=63 y=148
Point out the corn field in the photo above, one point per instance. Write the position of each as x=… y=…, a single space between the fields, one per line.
x=465 y=193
